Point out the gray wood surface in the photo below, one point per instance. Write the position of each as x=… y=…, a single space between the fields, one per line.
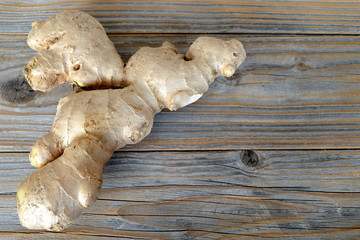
x=209 y=195
x=272 y=152
x=189 y=16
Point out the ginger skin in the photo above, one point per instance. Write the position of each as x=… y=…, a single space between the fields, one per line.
x=72 y=47
x=89 y=126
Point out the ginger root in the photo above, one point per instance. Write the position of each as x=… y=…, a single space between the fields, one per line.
x=89 y=126
x=72 y=47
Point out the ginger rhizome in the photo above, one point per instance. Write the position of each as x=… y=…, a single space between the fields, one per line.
x=89 y=126
x=72 y=47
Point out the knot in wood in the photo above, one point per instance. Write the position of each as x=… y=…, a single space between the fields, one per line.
x=17 y=91
x=249 y=158
x=301 y=65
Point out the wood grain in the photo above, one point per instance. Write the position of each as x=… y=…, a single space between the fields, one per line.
x=209 y=195
x=193 y=177
x=291 y=93
x=188 y=16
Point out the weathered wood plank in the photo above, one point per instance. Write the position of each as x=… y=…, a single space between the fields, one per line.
x=188 y=16
x=209 y=195
x=291 y=93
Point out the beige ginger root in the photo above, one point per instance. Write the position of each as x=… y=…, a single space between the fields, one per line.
x=89 y=126
x=72 y=47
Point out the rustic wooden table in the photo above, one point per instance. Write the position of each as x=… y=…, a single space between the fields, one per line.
x=273 y=152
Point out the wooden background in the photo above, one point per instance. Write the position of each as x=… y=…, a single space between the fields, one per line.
x=273 y=152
